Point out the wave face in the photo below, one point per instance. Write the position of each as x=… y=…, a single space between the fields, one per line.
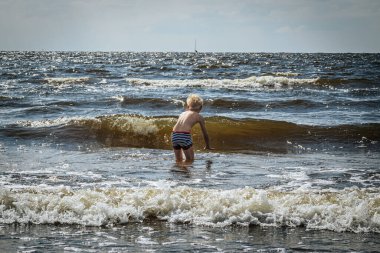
x=226 y=134
x=352 y=210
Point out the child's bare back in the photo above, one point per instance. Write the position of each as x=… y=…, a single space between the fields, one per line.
x=186 y=121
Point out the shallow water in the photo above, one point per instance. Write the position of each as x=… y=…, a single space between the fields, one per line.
x=86 y=165
x=164 y=237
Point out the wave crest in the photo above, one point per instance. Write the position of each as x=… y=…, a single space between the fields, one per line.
x=66 y=80
x=354 y=210
x=247 y=83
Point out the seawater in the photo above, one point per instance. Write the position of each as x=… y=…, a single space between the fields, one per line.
x=86 y=163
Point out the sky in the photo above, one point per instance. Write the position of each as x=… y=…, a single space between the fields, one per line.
x=331 y=26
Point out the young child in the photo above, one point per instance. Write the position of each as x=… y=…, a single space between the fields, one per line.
x=181 y=137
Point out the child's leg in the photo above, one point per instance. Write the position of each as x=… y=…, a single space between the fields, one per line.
x=189 y=154
x=178 y=155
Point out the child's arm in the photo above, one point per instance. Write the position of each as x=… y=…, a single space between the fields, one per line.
x=204 y=131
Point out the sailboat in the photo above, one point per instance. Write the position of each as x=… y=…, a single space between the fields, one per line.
x=195 y=47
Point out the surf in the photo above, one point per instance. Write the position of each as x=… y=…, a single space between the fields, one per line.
x=352 y=209
x=240 y=83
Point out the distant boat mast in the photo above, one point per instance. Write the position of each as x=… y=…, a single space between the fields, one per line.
x=195 y=47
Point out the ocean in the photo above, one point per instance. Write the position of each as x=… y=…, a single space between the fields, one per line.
x=86 y=163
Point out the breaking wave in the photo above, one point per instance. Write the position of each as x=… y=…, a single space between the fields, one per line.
x=354 y=210
x=226 y=134
x=66 y=80
x=247 y=83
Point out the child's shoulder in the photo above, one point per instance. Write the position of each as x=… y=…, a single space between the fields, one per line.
x=190 y=114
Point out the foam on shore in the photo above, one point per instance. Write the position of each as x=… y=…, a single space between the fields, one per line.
x=353 y=209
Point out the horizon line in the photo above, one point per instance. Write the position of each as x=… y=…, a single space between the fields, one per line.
x=198 y=52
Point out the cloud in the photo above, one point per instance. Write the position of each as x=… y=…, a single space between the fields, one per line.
x=172 y=25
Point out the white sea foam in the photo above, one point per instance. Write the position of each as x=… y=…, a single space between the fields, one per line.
x=247 y=83
x=66 y=80
x=44 y=123
x=356 y=210
x=49 y=122
x=119 y=98
x=286 y=74
x=145 y=240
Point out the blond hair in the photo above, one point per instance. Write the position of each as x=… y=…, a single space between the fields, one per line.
x=194 y=101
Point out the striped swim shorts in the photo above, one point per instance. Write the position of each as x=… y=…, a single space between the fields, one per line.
x=181 y=140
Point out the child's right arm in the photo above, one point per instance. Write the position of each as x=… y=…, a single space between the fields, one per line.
x=204 y=132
